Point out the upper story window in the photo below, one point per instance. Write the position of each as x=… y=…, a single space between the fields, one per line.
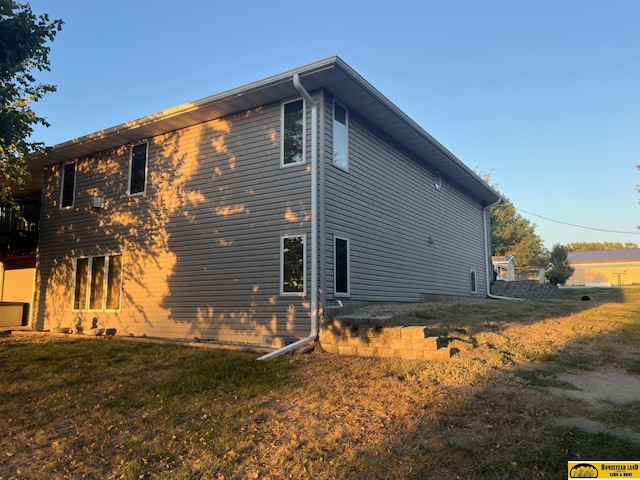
x=340 y=137
x=292 y=139
x=68 y=187
x=138 y=169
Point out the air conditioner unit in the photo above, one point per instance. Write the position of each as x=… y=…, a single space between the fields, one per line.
x=98 y=202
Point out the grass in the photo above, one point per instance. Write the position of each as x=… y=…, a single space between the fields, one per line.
x=76 y=409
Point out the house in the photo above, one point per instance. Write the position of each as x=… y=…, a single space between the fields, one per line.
x=605 y=267
x=240 y=216
x=504 y=267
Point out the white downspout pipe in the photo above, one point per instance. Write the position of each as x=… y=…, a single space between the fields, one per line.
x=314 y=227
x=487 y=251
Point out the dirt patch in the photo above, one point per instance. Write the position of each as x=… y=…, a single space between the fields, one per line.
x=593 y=426
x=600 y=389
x=614 y=386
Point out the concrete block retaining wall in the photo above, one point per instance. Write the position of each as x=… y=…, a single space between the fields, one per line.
x=529 y=289
x=373 y=336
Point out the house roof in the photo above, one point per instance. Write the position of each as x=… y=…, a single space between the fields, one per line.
x=503 y=259
x=599 y=256
x=332 y=74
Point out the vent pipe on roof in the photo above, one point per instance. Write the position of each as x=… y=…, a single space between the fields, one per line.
x=314 y=226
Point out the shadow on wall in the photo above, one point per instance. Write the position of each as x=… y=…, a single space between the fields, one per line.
x=200 y=249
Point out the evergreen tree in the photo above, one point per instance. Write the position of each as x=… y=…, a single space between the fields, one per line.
x=560 y=270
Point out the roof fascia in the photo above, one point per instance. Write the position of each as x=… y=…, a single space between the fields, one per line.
x=215 y=106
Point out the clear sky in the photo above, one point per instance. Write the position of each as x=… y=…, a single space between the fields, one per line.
x=544 y=94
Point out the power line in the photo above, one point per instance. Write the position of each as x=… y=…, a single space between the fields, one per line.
x=577 y=226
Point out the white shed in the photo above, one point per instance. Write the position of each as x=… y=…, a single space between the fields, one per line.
x=504 y=267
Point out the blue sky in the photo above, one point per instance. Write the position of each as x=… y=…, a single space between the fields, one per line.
x=544 y=95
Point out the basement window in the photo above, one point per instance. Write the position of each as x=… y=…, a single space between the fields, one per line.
x=341 y=266
x=472 y=281
x=293 y=265
x=97 y=283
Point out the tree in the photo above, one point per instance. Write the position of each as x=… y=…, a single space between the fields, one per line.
x=23 y=50
x=594 y=246
x=513 y=234
x=560 y=270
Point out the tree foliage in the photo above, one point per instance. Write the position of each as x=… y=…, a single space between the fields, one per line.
x=24 y=49
x=595 y=246
x=513 y=234
x=560 y=270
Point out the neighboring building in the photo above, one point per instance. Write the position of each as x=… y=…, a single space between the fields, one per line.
x=238 y=217
x=504 y=267
x=605 y=267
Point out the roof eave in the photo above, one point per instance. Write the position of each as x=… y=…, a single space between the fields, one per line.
x=331 y=73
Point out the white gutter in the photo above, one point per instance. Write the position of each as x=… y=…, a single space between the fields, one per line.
x=487 y=251
x=314 y=227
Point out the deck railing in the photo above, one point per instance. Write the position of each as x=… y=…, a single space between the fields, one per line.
x=19 y=229
x=24 y=216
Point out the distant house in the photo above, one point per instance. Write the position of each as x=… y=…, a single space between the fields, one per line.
x=605 y=267
x=240 y=216
x=504 y=267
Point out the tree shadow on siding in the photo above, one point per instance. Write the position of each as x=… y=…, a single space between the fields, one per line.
x=201 y=247
x=224 y=284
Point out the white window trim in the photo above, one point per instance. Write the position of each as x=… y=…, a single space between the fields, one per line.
x=346 y=140
x=473 y=284
x=335 y=270
x=146 y=169
x=75 y=176
x=304 y=133
x=105 y=283
x=304 y=265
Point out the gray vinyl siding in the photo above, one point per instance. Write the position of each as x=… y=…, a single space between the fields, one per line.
x=388 y=207
x=201 y=249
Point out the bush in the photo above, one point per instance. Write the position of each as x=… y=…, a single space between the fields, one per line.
x=560 y=270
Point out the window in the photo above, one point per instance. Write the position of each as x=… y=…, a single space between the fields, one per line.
x=341 y=266
x=340 y=137
x=96 y=292
x=293 y=265
x=80 y=289
x=293 y=125
x=68 y=190
x=138 y=169
x=98 y=283
x=472 y=279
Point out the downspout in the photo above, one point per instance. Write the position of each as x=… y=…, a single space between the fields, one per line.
x=487 y=250
x=314 y=227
